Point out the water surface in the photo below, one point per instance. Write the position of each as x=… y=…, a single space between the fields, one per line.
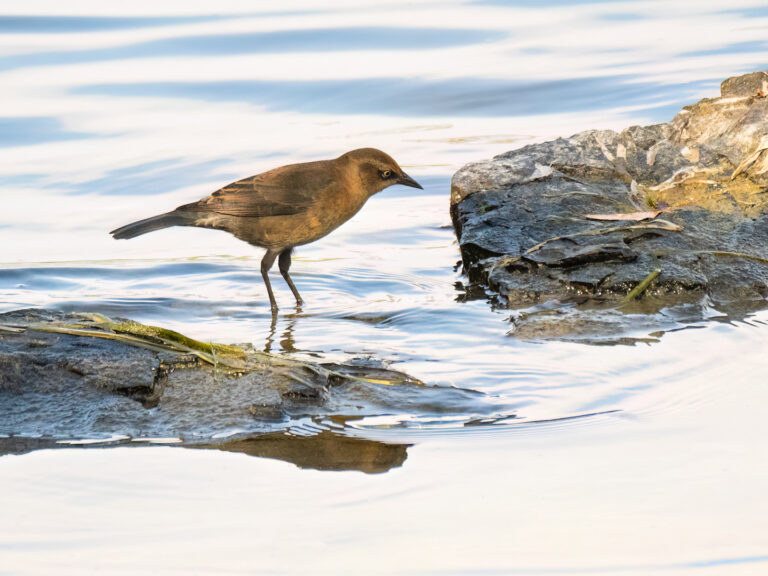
x=583 y=459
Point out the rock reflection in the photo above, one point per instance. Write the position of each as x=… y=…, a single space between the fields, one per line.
x=22 y=445
x=323 y=451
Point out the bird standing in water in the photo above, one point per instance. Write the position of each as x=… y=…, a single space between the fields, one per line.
x=285 y=207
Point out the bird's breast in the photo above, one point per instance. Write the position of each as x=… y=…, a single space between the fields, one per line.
x=320 y=219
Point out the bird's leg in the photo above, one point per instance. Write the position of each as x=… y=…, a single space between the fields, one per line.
x=284 y=263
x=266 y=264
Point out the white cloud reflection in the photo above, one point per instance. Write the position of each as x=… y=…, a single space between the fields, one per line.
x=645 y=43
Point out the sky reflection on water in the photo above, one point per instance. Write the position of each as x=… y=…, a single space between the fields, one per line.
x=160 y=85
x=110 y=117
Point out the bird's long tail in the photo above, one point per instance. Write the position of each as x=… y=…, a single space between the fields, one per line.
x=166 y=220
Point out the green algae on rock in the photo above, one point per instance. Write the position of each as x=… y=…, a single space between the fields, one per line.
x=74 y=377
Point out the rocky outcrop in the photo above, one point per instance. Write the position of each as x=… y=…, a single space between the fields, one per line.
x=562 y=232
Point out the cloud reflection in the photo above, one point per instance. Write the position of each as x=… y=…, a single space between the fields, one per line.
x=34 y=130
x=316 y=40
x=417 y=97
x=26 y=24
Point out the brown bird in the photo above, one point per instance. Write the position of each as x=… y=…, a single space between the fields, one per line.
x=286 y=207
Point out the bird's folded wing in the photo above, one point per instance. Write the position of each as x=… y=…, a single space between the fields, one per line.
x=269 y=194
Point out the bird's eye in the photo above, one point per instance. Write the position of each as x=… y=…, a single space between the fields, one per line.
x=386 y=174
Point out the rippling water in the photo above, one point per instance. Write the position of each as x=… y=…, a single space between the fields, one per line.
x=579 y=459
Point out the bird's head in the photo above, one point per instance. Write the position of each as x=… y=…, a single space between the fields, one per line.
x=377 y=170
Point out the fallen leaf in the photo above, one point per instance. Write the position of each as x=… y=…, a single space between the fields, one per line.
x=650 y=215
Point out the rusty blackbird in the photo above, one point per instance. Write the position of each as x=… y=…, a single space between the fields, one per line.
x=286 y=207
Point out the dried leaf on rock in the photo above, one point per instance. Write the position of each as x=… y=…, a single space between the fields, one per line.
x=648 y=215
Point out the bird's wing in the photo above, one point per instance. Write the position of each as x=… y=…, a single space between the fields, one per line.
x=280 y=192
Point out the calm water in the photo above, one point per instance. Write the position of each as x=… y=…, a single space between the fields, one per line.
x=575 y=459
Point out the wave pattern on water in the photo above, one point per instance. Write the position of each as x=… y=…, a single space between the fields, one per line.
x=397 y=312
x=116 y=118
x=604 y=454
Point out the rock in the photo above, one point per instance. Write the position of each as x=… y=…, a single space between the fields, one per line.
x=745 y=86
x=69 y=377
x=521 y=225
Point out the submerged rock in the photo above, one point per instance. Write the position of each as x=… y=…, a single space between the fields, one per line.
x=68 y=378
x=563 y=231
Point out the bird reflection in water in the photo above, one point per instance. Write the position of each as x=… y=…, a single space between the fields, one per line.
x=287 y=342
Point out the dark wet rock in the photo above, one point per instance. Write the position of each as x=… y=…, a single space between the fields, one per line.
x=520 y=220
x=59 y=386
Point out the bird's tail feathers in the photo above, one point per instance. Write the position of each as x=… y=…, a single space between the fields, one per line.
x=159 y=222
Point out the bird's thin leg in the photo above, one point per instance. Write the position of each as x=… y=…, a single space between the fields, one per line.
x=266 y=264
x=284 y=263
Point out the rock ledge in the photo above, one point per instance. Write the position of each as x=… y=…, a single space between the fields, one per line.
x=564 y=230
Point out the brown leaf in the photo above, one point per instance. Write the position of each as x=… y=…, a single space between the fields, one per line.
x=650 y=215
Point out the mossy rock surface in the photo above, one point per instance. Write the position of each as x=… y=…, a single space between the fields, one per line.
x=81 y=377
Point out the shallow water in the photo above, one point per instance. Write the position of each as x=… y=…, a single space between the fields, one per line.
x=573 y=459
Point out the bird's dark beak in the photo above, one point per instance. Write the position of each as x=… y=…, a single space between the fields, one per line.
x=406 y=180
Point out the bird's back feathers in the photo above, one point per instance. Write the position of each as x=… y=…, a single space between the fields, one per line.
x=284 y=191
